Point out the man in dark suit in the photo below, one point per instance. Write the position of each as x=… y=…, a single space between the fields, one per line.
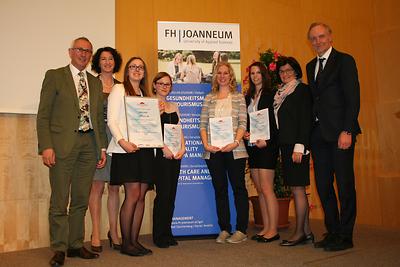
x=333 y=79
x=72 y=142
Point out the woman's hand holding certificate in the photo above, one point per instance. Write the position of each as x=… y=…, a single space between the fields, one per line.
x=143 y=121
x=221 y=131
x=173 y=137
x=259 y=126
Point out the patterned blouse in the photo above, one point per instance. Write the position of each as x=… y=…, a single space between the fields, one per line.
x=239 y=120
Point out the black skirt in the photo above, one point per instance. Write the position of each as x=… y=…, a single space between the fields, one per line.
x=295 y=174
x=133 y=167
x=263 y=158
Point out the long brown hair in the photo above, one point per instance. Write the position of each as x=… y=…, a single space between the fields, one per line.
x=143 y=82
x=266 y=81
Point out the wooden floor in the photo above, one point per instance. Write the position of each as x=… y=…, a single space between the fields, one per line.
x=373 y=247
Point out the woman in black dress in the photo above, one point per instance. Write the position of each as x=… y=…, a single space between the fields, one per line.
x=132 y=167
x=168 y=167
x=263 y=154
x=293 y=113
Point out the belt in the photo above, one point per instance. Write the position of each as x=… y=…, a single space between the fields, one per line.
x=87 y=131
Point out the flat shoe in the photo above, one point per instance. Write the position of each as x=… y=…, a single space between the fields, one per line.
x=256 y=237
x=291 y=243
x=268 y=240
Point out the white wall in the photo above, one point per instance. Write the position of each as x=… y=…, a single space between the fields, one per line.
x=35 y=37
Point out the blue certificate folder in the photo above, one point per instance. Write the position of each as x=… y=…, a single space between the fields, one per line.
x=195 y=211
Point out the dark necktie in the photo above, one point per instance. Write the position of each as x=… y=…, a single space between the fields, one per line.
x=320 y=68
x=84 y=123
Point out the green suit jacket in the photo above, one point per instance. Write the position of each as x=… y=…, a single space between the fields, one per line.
x=58 y=113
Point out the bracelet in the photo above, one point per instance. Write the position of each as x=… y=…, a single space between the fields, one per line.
x=237 y=142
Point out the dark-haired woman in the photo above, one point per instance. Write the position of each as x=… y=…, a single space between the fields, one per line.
x=168 y=167
x=130 y=166
x=106 y=61
x=293 y=113
x=263 y=154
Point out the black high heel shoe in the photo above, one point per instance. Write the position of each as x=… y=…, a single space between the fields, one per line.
x=112 y=244
x=95 y=248
x=310 y=237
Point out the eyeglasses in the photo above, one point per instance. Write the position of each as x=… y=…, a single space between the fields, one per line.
x=136 y=67
x=289 y=71
x=164 y=85
x=82 y=50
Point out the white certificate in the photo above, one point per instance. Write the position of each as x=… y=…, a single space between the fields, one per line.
x=143 y=121
x=221 y=131
x=259 y=125
x=173 y=137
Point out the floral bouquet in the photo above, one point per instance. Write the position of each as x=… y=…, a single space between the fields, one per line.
x=270 y=58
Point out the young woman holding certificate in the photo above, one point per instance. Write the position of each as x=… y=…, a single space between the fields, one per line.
x=263 y=154
x=168 y=162
x=293 y=113
x=132 y=167
x=227 y=159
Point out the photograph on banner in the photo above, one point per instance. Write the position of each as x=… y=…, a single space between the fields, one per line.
x=187 y=66
x=189 y=52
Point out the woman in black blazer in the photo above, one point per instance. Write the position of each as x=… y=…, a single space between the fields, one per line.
x=293 y=113
x=263 y=154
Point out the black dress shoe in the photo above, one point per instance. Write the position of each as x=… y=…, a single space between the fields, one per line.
x=256 y=237
x=340 y=243
x=57 y=259
x=291 y=243
x=267 y=240
x=81 y=253
x=328 y=238
x=142 y=249
x=131 y=251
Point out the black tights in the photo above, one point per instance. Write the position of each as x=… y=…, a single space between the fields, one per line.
x=301 y=208
x=131 y=214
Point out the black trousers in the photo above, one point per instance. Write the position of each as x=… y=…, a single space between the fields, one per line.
x=223 y=166
x=164 y=204
x=330 y=162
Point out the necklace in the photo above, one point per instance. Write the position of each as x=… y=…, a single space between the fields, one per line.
x=107 y=87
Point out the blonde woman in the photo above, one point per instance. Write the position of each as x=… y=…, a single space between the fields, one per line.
x=227 y=162
x=192 y=73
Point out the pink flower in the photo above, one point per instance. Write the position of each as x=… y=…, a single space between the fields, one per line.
x=276 y=56
x=272 y=66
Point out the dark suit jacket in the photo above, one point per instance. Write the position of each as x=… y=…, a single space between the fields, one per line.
x=58 y=113
x=336 y=96
x=266 y=101
x=295 y=117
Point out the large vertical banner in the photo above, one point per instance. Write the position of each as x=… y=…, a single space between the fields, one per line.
x=189 y=51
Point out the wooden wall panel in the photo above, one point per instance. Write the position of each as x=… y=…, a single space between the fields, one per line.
x=369 y=30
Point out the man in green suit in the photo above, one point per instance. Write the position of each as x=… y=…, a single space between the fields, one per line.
x=72 y=142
